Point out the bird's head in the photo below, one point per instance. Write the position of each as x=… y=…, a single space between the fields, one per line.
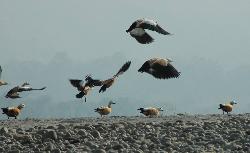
x=21 y=106
x=111 y=102
x=233 y=102
x=169 y=60
x=25 y=84
x=159 y=109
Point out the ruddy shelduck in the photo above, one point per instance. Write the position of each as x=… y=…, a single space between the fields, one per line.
x=137 y=30
x=160 y=68
x=227 y=107
x=150 y=111
x=105 y=110
x=13 y=111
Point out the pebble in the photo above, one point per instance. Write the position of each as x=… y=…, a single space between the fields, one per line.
x=50 y=134
x=4 y=130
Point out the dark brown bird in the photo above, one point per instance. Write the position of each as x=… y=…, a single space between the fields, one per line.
x=14 y=92
x=159 y=68
x=137 y=30
x=84 y=88
x=109 y=82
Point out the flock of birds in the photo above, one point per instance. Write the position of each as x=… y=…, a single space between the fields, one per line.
x=159 y=68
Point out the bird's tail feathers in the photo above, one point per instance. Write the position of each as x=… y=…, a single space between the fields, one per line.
x=123 y=69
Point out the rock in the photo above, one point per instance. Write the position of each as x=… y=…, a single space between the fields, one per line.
x=14 y=151
x=51 y=127
x=4 y=130
x=50 y=134
x=50 y=147
x=248 y=132
x=56 y=150
x=96 y=134
x=99 y=151
x=61 y=127
x=82 y=132
x=91 y=145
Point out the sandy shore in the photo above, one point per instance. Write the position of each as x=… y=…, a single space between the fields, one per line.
x=180 y=133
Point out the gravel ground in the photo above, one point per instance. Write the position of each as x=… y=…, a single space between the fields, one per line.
x=180 y=133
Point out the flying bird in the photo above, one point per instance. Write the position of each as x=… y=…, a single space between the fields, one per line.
x=160 y=68
x=227 y=107
x=14 y=92
x=2 y=82
x=150 y=111
x=13 y=111
x=84 y=87
x=137 y=30
x=104 y=110
x=109 y=82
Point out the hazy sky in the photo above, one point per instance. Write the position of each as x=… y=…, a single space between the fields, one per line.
x=47 y=42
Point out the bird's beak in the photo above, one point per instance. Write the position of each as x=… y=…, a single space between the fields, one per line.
x=113 y=103
x=127 y=31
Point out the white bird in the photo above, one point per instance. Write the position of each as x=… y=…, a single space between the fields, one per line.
x=137 y=30
x=160 y=68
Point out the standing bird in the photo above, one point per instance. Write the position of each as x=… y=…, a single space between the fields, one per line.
x=227 y=107
x=13 y=111
x=137 y=30
x=104 y=110
x=2 y=82
x=14 y=92
x=150 y=111
x=160 y=68
x=84 y=88
x=109 y=82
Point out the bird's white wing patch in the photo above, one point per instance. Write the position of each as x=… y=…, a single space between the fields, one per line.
x=150 y=22
x=137 y=32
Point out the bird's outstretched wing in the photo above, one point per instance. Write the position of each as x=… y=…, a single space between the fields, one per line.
x=144 y=39
x=123 y=69
x=76 y=83
x=152 y=25
x=92 y=82
x=165 y=72
x=12 y=91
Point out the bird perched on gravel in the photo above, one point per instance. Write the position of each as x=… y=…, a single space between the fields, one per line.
x=2 y=82
x=150 y=111
x=227 y=107
x=109 y=82
x=14 y=92
x=13 y=111
x=160 y=68
x=137 y=30
x=104 y=110
x=84 y=87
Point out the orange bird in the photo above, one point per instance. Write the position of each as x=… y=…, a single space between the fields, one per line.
x=13 y=111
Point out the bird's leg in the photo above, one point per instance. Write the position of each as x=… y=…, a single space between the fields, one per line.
x=8 y=117
x=85 y=99
x=223 y=112
x=15 y=117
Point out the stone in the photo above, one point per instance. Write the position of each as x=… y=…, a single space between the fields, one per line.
x=96 y=134
x=50 y=134
x=4 y=130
